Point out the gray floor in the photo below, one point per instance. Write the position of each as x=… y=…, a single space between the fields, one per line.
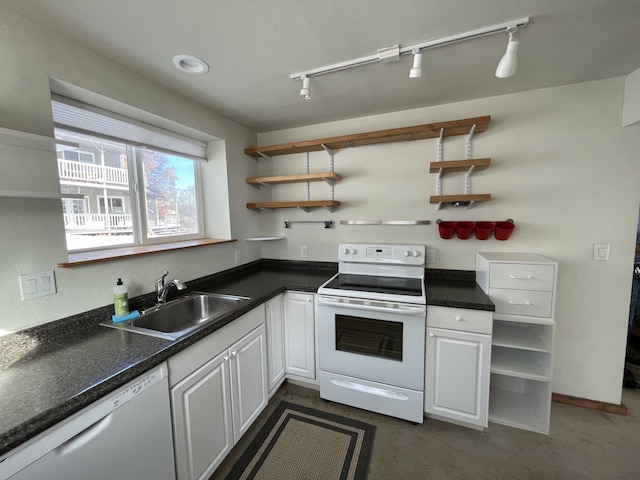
x=583 y=444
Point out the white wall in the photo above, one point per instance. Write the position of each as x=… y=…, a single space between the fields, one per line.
x=32 y=231
x=562 y=167
x=631 y=108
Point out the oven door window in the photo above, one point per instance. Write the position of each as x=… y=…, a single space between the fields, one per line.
x=364 y=336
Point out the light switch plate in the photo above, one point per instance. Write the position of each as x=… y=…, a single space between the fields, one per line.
x=601 y=252
x=33 y=285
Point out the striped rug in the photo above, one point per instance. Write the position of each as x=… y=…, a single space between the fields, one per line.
x=299 y=443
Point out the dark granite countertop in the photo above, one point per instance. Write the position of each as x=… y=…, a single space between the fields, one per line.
x=457 y=289
x=52 y=371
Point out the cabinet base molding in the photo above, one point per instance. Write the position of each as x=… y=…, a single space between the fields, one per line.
x=590 y=404
x=432 y=416
x=304 y=382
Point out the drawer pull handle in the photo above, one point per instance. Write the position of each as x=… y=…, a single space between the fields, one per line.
x=513 y=302
x=521 y=277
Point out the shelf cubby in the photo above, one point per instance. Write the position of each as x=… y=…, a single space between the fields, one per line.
x=520 y=403
x=521 y=363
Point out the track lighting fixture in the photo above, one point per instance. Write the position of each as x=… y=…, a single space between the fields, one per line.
x=416 y=70
x=393 y=53
x=509 y=62
x=305 y=92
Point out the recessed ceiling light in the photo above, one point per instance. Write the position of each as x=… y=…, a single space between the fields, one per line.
x=190 y=64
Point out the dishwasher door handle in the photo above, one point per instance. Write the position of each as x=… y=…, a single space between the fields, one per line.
x=84 y=436
x=404 y=310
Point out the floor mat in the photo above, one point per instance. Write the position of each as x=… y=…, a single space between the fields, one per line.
x=303 y=443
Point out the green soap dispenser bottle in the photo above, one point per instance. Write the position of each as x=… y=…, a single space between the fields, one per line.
x=120 y=299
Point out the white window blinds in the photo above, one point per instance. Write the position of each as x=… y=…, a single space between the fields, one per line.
x=73 y=115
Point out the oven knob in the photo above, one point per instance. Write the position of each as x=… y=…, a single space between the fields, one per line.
x=353 y=251
x=407 y=253
x=416 y=253
x=346 y=251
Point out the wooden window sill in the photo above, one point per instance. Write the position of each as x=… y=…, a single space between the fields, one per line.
x=86 y=258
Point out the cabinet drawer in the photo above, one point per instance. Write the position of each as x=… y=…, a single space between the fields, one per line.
x=522 y=276
x=461 y=319
x=522 y=302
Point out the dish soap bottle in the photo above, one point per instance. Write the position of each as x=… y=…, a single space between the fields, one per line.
x=120 y=299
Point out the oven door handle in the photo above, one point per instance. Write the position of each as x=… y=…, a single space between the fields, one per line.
x=405 y=310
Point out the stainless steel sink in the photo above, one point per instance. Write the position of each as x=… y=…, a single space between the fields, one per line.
x=174 y=319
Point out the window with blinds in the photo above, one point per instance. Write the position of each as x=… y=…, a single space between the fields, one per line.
x=140 y=183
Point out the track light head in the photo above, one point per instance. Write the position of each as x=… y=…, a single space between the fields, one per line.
x=416 y=69
x=305 y=92
x=509 y=62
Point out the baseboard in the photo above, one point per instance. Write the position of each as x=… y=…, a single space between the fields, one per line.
x=301 y=382
x=590 y=404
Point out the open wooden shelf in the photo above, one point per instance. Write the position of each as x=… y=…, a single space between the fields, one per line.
x=328 y=177
x=459 y=165
x=480 y=197
x=38 y=195
x=417 y=132
x=303 y=204
x=31 y=140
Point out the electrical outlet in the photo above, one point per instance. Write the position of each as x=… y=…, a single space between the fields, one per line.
x=431 y=255
x=38 y=284
x=238 y=256
x=304 y=253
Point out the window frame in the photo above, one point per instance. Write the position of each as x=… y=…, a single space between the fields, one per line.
x=137 y=198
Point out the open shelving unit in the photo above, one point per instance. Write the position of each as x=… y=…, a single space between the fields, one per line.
x=469 y=165
x=330 y=144
x=523 y=337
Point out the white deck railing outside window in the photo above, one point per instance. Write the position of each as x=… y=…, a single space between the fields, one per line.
x=89 y=173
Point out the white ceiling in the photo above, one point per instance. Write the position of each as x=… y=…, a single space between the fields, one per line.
x=253 y=46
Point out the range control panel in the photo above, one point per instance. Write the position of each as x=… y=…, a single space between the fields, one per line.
x=397 y=254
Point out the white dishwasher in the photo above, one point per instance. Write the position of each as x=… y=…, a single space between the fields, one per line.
x=125 y=435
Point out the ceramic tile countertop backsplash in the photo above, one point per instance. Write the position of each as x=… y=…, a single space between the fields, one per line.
x=50 y=372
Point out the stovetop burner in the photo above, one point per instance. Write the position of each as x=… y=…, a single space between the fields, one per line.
x=377 y=284
x=383 y=272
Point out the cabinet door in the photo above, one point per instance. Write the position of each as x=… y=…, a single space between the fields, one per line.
x=274 y=322
x=202 y=419
x=457 y=375
x=299 y=335
x=248 y=362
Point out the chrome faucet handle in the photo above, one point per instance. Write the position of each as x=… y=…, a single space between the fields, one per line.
x=160 y=281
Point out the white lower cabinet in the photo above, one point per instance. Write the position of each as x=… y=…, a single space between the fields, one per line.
x=299 y=321
x=274 y=322
x=216 y=403
x=458 y=359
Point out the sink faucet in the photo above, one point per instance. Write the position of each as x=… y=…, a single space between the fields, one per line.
x=162 y=288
